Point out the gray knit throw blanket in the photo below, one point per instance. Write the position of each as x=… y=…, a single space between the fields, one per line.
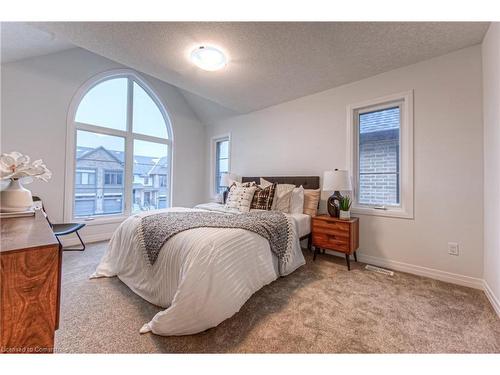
x=155 y=230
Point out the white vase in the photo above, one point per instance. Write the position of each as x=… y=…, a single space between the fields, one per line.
x=345 y=215
x=15 y=198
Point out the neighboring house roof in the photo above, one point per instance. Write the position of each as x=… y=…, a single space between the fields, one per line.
x=84 y=154
x=160 y=167
x=143 y=165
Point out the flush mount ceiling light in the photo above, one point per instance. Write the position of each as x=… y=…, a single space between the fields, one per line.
x=208 y=58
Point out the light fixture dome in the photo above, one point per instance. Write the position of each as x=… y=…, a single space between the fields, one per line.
x=208 y=58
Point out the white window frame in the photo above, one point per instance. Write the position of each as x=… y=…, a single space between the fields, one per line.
x=406 y=207
x=213 y=158
x=128 y=135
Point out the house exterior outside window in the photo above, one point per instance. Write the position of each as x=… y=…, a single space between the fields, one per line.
x=380 y=155
x=120 y=145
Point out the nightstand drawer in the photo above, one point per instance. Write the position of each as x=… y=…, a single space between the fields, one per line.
x=321 y=226
x=331 y=233
x=330 y=241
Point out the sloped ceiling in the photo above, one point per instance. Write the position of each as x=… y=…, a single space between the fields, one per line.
x=270 y=62
x=20 y=41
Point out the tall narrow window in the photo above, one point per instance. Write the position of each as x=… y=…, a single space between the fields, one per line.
x=382 y=153
x=122 y=151
x=378 y=161
x=221 y=162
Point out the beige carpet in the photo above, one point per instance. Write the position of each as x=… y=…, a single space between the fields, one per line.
x=320 y=308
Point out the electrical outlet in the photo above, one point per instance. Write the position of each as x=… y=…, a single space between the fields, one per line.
x=453 y=248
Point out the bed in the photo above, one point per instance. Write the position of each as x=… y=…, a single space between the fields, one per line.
x=201 y=276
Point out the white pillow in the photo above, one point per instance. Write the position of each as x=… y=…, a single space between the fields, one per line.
x=240 y=184
x=264 y=183
x=282 y=195
x=297 y=201
x=240 y=197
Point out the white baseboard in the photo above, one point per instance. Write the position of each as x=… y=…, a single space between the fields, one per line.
x=472 y=282
x=491 y=297
x=454 y=278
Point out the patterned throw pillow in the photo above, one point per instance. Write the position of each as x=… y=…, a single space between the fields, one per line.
x=311 y=199
x=240 y=196
x=282 y=195
x=263 y=197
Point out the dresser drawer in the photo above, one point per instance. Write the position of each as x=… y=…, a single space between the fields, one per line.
x=330 y=241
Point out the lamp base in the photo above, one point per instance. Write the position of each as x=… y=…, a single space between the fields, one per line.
x=224 y=195
x=333 y=204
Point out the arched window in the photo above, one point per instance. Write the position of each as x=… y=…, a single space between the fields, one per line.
x=120 y=144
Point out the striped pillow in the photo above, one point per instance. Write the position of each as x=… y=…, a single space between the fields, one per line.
x=263 y=197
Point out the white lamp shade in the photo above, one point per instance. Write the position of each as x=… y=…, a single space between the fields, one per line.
x=338 y=180
x=227 y=179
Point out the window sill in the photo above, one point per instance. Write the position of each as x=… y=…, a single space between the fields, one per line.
x=395 y=213
x=101 y=220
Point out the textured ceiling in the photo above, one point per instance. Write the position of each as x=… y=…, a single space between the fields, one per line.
x=269 y=62
x=20 y=41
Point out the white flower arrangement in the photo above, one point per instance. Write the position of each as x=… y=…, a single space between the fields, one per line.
x=15 y=166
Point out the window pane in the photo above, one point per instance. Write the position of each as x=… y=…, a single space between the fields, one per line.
x=147 y=118
x=223 y=165
x=379 y=167
x=150 y=166
x=95 y=155
x=105 y=105
x=223 y=148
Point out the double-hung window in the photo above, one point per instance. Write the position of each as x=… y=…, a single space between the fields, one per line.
x=381 y=156
x=221 y=161
x=120 y=140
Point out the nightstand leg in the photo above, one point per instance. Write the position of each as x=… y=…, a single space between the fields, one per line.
x=315 y=252
x=355 y=257
x=348 y=262
x=309 y=243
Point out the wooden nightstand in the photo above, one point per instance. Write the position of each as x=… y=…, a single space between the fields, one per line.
x=331 y=233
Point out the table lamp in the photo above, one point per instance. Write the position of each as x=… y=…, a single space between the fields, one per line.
x=226 y=180
x=336 y=181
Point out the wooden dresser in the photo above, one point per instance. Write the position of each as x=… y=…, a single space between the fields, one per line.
x=30 y=277
x=335 y=234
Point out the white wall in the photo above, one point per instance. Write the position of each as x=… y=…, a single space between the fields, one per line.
x=491 y=106
x=308 y=136
x=36 y=94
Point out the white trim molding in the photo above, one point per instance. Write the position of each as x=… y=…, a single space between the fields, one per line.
x=495 y=302
x=432 y=273
x=128 y=135
x=405 y=101
x=213 y=144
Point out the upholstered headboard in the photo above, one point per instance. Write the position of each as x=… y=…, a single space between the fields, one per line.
x=308 y=182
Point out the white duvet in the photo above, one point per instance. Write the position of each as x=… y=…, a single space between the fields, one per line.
x=202 y=276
